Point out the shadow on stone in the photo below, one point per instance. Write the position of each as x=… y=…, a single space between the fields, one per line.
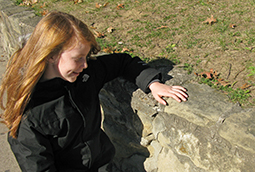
x=122 y=123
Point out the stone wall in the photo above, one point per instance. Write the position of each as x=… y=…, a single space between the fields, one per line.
x=15 y=23
x=206 y=133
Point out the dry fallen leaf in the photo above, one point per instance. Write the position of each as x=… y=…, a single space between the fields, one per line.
x=213 y=75
x=100 y=5
x=29 y=2
x=98 y=34
x=107 y=50
x=222 y=82
x=110 y=29
x=161 y=27
x=105 y=4
x=44 y=12
x=34 y=1
x=120 y=6
x=244 y=86
x=210 y=20
x=207 y=75
x=44 y=4
x=232 y=26
x=125 y=50
x=77 y=1
x=92 y=27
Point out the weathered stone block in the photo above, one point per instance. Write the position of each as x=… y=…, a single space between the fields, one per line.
x=239 y=128
x=15 y=22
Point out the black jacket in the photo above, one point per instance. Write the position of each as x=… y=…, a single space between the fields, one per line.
x=60 y=129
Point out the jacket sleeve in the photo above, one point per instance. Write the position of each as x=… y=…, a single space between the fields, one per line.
x=146 y=77
x=133 y=69
x=32 y=149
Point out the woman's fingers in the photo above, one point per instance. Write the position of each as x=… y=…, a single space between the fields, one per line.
x=160 y=90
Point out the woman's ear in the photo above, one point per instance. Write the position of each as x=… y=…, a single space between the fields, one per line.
x=53 y=59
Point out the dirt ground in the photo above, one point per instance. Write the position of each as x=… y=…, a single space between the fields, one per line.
x=176 y=30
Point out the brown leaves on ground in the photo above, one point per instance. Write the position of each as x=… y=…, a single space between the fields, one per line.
x=98 y=5
x=119 y=6
x=77 y=1
x=161 y=27
x=210 y=20
x=101 y=6
x=44 y=12
x=98 y=34
x=109 y=49
x=208 y=75
x=44 y=5
x=115 y=50
x=213 y=75
x=244 y=86
x=92 y=27
x=232 y=26
x=110 y=29
x=214 y=20
x=222 y=82
x=28 y=2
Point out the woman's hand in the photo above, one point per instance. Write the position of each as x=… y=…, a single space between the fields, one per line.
x=160 y=90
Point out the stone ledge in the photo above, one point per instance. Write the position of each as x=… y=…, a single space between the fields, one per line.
x=207 y=133
x=15 y=22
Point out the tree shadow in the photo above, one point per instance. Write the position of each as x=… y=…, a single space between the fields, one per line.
x=122 y=124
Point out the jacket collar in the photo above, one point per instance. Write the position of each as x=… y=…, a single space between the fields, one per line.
x=48 y=90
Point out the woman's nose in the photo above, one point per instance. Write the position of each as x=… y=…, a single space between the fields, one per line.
x=85 y=65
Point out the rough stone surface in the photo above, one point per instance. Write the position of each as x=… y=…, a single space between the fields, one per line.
x=206 y=133
x=15 y=23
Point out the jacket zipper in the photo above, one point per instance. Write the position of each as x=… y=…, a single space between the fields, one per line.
x=76 y=107
x=84 y=121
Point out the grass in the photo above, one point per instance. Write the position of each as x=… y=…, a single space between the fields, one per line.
x=252 y=71
x=175 y=31
x=188 y=67
x=235 y=95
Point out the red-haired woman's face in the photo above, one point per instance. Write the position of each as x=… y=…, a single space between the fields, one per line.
x=70 y=63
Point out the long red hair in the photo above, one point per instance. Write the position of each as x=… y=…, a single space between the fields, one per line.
x=55 y=32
